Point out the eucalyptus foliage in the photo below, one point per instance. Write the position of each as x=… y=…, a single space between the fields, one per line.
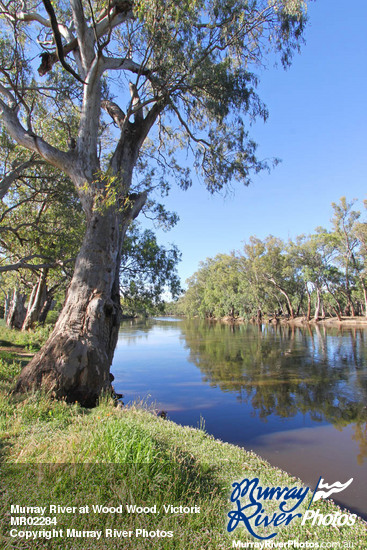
x=190 y=65
x=323 y=273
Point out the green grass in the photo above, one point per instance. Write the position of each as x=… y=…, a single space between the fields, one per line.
x=52 y=452
x=29 y=340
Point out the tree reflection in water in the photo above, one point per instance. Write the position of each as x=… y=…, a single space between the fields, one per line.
x=284 y=370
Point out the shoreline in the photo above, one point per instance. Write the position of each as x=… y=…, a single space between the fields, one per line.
x=299 y=321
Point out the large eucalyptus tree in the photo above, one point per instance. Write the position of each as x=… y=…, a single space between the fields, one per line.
x=180 y=71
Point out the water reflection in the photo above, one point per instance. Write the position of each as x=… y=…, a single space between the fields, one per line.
x=284 y=370
x=295 y=395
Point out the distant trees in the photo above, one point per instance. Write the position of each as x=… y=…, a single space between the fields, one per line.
x=346 y=233
x=148 y=270
x=313 y=276
x=214 y=291
x=41 y=227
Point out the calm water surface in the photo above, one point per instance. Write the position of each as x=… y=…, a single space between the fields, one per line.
x=296 y=396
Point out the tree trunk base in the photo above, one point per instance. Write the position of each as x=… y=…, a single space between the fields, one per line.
x=78 y=375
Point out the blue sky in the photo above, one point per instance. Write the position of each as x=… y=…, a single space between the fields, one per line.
x=317 y=126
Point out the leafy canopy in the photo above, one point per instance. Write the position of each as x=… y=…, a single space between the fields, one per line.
x=185 y=67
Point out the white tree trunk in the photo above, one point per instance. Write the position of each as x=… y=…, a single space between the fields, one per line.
x=36 y=301
x=318 y=304
x=7 y=303
x=17 y=310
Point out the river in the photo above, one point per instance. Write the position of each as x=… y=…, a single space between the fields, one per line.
x=295 y=396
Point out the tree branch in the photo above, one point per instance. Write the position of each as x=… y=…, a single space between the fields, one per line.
x=135 y=204
x=84 y=35
x=34 y=143
x=124 y=64
x=90 y=117
x=200 y=141
x=119 y=13
x=113 y=17
x=23 y=264
x=117 y=115
x=58 y=41
x=9 y=96
x=135 y=102
x=7 y=180
x=28 y=17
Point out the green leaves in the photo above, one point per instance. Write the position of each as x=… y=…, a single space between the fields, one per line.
x=327 y=267
x=202 y=56
x=41 y=223
x=194 y=64
x=147 y=271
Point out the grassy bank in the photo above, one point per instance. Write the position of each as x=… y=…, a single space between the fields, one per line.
x=63 y=454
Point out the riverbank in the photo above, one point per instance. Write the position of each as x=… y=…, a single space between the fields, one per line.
x=111 y=455
x=344 y=322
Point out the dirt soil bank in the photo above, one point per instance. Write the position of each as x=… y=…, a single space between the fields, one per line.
x=302 y=321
